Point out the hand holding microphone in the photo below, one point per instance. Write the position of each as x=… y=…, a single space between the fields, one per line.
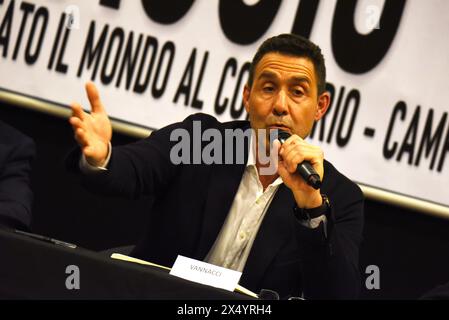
x=301 y=169
x=305 y=168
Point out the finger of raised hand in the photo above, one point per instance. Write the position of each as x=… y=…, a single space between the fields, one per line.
x=77 y=111
x=77 y=123
x=78 y=140
x=94 y=97
x=81 y=137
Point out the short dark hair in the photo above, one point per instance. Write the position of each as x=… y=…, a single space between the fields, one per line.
x=293 y=45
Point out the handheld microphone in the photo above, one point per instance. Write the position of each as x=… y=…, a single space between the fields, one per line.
x=305 y=169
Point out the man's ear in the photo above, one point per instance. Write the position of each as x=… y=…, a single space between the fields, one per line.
x=246 y=93
x=323 y=104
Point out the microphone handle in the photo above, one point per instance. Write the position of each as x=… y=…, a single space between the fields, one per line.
x=308 y=173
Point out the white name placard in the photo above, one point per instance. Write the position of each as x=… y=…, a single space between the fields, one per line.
x=205 y=273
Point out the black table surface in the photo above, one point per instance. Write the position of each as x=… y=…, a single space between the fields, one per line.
x=35 y=269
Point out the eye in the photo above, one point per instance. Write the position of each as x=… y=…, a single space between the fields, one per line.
x=298 y=92
x=268 y=88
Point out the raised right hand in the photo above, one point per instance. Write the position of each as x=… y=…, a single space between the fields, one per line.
x=93 y=131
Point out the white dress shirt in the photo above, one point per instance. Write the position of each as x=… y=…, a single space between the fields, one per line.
x=235 y=240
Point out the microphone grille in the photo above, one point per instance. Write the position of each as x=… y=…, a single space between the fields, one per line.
x=283 y=135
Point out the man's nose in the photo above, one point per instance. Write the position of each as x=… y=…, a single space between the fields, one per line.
x=280 y=107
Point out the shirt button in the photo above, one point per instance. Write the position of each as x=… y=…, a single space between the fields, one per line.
x=242 y=235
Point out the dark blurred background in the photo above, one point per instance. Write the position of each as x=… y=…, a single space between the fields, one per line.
x=410 y=248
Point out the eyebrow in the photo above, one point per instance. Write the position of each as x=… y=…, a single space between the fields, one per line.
x=296 y=79
x=301 y=79
x=268 y=75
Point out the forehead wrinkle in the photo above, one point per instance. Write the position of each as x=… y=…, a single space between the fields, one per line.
x=274 y=66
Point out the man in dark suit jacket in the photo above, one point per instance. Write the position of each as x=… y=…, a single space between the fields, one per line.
x=299 y=241
x=16 y=153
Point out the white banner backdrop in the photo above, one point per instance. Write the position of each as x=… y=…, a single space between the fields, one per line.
x=387 y=126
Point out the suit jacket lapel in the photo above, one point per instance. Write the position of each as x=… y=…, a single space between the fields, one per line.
x=274 y=231
x=223 y=186
x=224 y=182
